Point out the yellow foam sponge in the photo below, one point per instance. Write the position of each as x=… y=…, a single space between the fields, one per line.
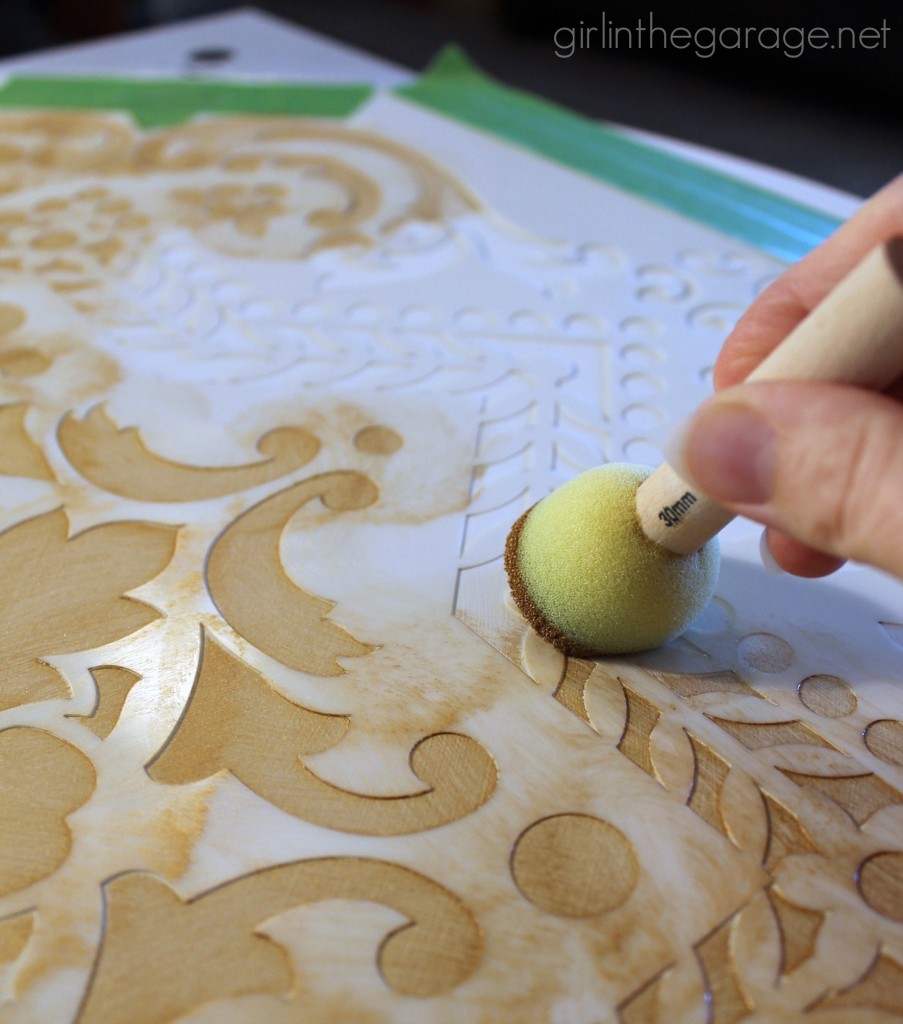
x=588 y=579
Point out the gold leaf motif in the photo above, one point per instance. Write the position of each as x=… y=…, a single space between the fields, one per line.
x=206 y=947
x=15 y=932
x=114 y=684
x=573 y=682
x=759 y=735
x=62 y=594
x=727 y=683
x=860 y=796
x=786 y=835
x=799 y=929
x=255 y=596
x=728 y=1002
x=709 y=772
x=644 y=1005
x=236 y=721
x=880 y=988
x=19 y=455
x=635 y=741
x=42 y=779
x=233 y=719
x=117 y=461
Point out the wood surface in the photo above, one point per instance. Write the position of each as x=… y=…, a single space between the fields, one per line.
x=274 y=743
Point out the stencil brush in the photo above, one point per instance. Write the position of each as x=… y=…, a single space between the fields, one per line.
x=622 y=558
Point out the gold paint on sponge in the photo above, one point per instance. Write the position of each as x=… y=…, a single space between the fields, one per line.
x=587 y=578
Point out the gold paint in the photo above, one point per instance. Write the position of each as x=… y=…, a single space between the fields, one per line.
x=56 y=203
x=728 y=683
x=574 y=865
x=338 y=240
x=378 y=440
x=19 y=455
x=73 y=286
x=63 y=594
x=59 y=949
x=235 y=721
x=786 y=835
x=859 y=795
x=118 y=461
x=248 y=210
x=11 y=317
x=57 y=265
x=55 y=240
x=880 y=988
x=642 y=1007
x=243 y=162
x=114 y=206
x=177 y=831
x=206 y=947
x=106 y=250
x=23 y=362
x=15 y=932
x=885 y=740
x=42 y=780
x=114 y=684
x=759 y=735
x=362 y=196
x=828 y=696
x=880 y=882
x=249 y=585
x=710 y=770
x=635 y=742
x=799 y=929
x=573 y=683
x=728 y=1002
x=459 y=774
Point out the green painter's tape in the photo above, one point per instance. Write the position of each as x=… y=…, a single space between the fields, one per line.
x=453 y=86
x=157 y=103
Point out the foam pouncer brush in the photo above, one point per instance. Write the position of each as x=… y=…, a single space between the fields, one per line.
x=622 y=558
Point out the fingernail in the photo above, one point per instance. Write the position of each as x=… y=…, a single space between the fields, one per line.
x=728 y=451
x=768 y=559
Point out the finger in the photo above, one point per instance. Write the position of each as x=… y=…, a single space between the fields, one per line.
x=821 y=462
x=799 y=559
x=799 y=289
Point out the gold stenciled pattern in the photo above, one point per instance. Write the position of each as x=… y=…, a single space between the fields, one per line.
x=275 y=187
x=226 y=711
x=113 y=558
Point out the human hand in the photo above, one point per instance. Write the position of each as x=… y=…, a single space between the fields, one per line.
x=820 y=465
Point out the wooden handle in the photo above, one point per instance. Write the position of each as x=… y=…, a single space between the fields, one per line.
x=854 y=336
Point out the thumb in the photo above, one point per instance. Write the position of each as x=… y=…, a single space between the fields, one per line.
x=820 y=462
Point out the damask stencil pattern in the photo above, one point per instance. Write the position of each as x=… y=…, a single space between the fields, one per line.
x=274 y=743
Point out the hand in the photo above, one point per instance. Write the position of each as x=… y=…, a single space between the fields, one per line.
x=821 y=465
